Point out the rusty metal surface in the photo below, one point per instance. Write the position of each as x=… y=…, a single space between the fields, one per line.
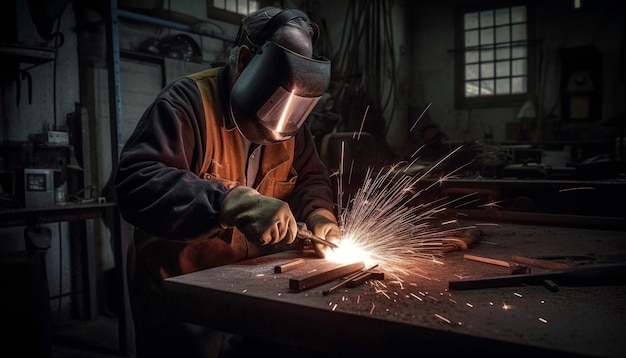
x=421 y=315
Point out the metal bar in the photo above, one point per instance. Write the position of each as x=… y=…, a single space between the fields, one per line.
x=579 y=221
x=125 y=327
x=343 y=282
x=556 y=266
x=585 y=275
x=306 y=282
x=36 y=216
x=487 y=260
x=115 y=87
x=367 y=275
x=288 y=265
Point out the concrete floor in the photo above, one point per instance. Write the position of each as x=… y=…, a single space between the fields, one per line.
x=77 y=338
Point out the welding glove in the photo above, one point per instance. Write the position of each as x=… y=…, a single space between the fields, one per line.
x=261 y=218
x=323 y=224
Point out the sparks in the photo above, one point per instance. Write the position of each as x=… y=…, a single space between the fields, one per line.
x=442 y=318
x=577 y=188
x=382 y=224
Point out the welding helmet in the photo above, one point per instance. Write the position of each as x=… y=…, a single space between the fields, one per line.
x=277 y=90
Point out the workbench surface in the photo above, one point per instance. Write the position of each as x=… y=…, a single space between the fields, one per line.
x=421 y=315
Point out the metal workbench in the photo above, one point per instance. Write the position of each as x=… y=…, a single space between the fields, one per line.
x=422 y=316
x=74 y=213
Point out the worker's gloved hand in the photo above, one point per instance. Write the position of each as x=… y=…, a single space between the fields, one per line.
x=323 y=224
x=259 y=217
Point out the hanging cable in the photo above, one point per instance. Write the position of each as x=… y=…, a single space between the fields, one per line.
x=366 y=62
x=58 y=36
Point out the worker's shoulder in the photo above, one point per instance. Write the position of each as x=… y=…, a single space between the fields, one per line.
x=208 y=74
x=189 y=87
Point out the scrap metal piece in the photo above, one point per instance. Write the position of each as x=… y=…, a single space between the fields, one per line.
x=555 y=266
x=305 y=282
x=288 y=265
x=550 y=285
x=487 y=260
x=355 y=276
x=361 y=278
x=584 y=275
x=463 y=241
x=514 y=269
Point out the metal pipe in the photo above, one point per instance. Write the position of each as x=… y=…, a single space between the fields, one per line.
x=171 y=24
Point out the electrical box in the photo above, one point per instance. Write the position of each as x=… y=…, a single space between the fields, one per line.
x=38 y=188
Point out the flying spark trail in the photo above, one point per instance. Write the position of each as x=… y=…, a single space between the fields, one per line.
x=386 y=223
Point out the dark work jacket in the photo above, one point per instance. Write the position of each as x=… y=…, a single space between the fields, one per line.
x=164 y=191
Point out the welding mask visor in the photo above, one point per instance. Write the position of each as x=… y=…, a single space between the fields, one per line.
x=275 y=93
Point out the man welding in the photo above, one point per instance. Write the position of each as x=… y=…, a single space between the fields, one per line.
x=220 y=169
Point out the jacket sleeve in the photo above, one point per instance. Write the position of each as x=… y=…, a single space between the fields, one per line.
x=157 y=186
x=313 y=189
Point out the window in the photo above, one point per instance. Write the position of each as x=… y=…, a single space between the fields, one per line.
x=494 y=57
x=231 y=10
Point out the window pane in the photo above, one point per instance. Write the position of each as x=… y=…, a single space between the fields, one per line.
x=518 y=67
x=242 y=7
x=519 y=52
x=496 y=52
x=503 y=34
x=502 y=16
x=486 y=55
x=518 y=85
x=503 y=53
x=503 y=69
x=471 y=89
x=471 y=56
x=486 y=70
x=518 y=32
x=471 y=38
x=486 y=36
x=471 y=72
x=254 y=5
x=471 y=21
x=231 y=6
x=486 y=18
x=503 y=86
x=219 y=4
x=518 y=14
x=486 y=87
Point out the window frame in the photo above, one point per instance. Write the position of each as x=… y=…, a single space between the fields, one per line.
x=463 y=102
x=225 y=15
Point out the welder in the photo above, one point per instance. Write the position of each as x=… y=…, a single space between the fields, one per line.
x=221 y=168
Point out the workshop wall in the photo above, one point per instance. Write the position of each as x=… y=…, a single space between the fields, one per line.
x=38 y=93
x=559 y=26
x=368 y=44
x=50 y=101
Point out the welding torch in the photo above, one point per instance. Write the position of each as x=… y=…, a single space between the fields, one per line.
x=305 y=234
